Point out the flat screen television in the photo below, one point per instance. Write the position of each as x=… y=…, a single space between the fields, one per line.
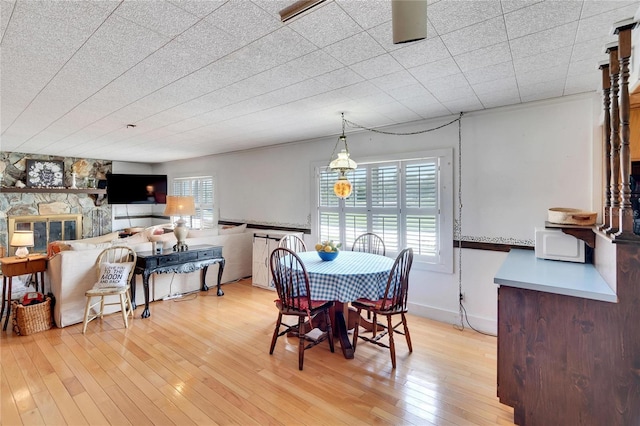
x=136 y=189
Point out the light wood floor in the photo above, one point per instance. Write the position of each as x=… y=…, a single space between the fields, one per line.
x=205 y=360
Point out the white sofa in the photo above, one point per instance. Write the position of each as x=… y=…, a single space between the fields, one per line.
x=72 y=270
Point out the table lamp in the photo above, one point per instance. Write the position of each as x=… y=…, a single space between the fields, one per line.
x=180 y=206
x=22 y=240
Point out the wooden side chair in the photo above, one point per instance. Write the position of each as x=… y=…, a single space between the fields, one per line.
x=393 y=303
x=293 y=243
x=115 y=267
x=294 y=298
x=370 y=243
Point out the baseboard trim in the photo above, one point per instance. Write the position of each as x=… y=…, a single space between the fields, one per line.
x=486 y=325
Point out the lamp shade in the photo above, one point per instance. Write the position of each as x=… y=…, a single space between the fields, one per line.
x=180 y=206
x=343 y=162
x=22 y=239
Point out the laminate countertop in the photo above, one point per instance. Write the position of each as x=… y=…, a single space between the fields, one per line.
x=522 y=269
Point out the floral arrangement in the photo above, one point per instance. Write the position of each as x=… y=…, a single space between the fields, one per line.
x=328 y=246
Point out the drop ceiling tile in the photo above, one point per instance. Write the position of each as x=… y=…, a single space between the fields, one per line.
x=244 y=20
x=205 y=36
x=326 y=25
x=397 y=113
x=544 y=41
x=587 y=82
x=484 y=57
x=600 y=25
x=540 y=17
x=586 y=66
x=6 y=9
x=360 y=90
x=450 y=87
x=463 y=105
x=377 y=67
x=542 y=61
x=476 y=36
x=512 y=5
x=356 y=48
x=316 y=63
x=503 y=85
x=339 y=78
x=84 y=15
x=495 y=98
x=544 y=90
x=198 y=7
x=410 y=91
x=490 y=73
x=159 y=15
x=591 y=8
x=535 y=77
x=435 y=70
x=594 y=48
x=415 y=54
x=284 y=45
x=394 y=80
x=367 y=14
x=449 y=16
x=432 y=110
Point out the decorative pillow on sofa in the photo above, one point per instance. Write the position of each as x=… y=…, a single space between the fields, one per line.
x=80 y=245
x=56 y=247
x=225 y=230
x=203 y=233
x=134 y=239
x=114 y=275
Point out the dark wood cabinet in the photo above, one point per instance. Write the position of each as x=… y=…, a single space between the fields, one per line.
x=565 y=360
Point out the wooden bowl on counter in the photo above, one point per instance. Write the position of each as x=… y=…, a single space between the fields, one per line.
x=568 y=216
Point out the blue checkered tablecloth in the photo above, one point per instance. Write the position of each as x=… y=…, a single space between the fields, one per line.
x=348 y=277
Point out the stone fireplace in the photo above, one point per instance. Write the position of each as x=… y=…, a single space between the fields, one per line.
x=46 y=212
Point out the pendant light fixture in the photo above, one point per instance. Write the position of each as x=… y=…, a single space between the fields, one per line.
x=343 y=164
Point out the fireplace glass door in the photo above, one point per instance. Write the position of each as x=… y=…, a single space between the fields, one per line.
x=46 y=229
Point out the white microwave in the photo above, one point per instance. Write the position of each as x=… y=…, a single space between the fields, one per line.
x=554 y=244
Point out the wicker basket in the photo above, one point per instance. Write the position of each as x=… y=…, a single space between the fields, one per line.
x=32 y=318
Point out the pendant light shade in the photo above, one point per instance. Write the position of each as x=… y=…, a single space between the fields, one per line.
x=343 y=164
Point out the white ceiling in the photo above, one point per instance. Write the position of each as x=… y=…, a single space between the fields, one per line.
x=201 y=77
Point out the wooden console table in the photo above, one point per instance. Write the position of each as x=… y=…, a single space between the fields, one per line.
x=196 y=258
x=13 y=266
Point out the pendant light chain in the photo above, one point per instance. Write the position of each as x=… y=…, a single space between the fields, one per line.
x=337 y=142
x=460 y=306
x=417 y=132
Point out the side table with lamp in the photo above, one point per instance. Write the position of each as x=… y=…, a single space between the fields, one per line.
x=20 y=264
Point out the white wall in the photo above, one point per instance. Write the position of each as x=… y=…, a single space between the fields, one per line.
x=516 y=163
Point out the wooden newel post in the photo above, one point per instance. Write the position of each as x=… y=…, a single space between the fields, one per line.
x=625 y=223
x=614 y=191
x=606 y=100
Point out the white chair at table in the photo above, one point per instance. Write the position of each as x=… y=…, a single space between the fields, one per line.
x=115 y=267
x=293 y=243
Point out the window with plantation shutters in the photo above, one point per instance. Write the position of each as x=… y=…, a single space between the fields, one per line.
x=405 y=201
x=201 y=188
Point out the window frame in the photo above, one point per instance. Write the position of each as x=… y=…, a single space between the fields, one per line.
x=444 y=261
x=200 y=206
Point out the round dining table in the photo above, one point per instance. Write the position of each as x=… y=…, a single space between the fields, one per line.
x=350 y=276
